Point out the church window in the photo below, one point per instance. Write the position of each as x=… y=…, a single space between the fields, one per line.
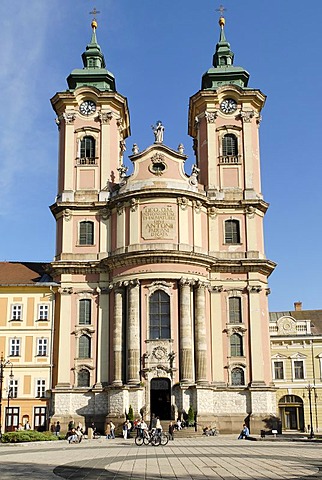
x=232 y=233
x=237 y=376
x=83 y=378
x=86 y=233
x=84 y=347
x=229 y=145
x=236 y=345
x=85 y=312
x=235 y=315
x=159 y=314
x=87 y=150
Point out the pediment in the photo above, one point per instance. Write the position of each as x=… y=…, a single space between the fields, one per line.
x=158 y=162
x=298 y=356
x=279 y=356
x=286 y=325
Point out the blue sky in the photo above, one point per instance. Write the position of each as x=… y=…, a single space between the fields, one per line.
x=158 y=53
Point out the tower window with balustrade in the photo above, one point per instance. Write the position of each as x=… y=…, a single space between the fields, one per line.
x=87 y=151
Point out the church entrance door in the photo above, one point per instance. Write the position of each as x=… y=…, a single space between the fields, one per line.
x=160 y=399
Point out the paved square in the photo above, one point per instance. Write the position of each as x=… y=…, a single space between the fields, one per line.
x=222 y=457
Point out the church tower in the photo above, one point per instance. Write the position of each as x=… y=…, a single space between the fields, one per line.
x=93 y=123
x=162 y=305
x=224 y=119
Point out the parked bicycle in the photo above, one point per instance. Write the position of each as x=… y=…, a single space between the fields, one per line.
x=210 y=431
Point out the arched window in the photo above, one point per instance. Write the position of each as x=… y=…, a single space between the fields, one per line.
x=159 y=314
x=237 y=376
x=86 y=233
x=235 y=315
x=84 y=347
x=83 y=378
x=85 y=312
x=236 y=345
x=232 y=232
x=87 y=150
x=229 y=145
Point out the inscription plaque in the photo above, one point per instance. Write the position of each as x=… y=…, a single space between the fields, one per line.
x=158 y=222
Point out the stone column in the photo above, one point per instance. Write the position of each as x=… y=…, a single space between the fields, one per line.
x=117 y=347
x=186 y=370
x=200 y=333
x=133 y=334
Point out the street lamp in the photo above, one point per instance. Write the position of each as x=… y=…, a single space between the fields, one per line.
x=310 y=388
x=10 y=395
x=3 y=364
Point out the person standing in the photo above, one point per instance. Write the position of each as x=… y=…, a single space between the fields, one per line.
x=158 y=426
x=129 y=428
x=112 y=430
x=27 y=425
x=125 y=430
x=57 y=429
x=171 y=430
x=108 y=431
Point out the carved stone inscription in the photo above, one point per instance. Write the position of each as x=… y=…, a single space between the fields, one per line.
x=158 y=222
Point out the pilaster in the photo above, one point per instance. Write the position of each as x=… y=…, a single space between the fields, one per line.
x=117 y=335
x=200 y=333
x=256 y=341
x=186 y=358
x=133 y=334
x=63 y=367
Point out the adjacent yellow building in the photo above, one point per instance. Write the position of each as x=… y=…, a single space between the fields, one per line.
x=296 y=356
x=27 y=296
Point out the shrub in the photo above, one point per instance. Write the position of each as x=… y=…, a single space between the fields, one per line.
x=130 y=415
x=191 y=416
x=27 y=436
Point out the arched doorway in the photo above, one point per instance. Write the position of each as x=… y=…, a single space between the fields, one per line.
x=160 y=398
x=291 y=412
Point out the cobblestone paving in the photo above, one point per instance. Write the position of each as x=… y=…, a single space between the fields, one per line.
x=221 y=457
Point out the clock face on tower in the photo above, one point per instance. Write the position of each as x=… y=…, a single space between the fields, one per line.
x=228 y=105
x=87 y=107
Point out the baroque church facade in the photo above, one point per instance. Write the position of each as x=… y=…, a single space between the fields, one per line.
x=162 y=302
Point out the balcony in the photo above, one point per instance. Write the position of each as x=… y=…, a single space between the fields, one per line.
x=230 y=159
x=86 y=160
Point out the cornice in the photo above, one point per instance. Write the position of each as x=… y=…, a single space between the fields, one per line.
x=265 y=267
x=116 y=199
x=156 y=257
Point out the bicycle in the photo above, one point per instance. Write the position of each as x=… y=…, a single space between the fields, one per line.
x=147 y=438
x=164 y=438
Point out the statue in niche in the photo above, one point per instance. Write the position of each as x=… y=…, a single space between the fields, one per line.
x=158 y=131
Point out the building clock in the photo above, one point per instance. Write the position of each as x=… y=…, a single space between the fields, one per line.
x=87 y=107
x=228 y=105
